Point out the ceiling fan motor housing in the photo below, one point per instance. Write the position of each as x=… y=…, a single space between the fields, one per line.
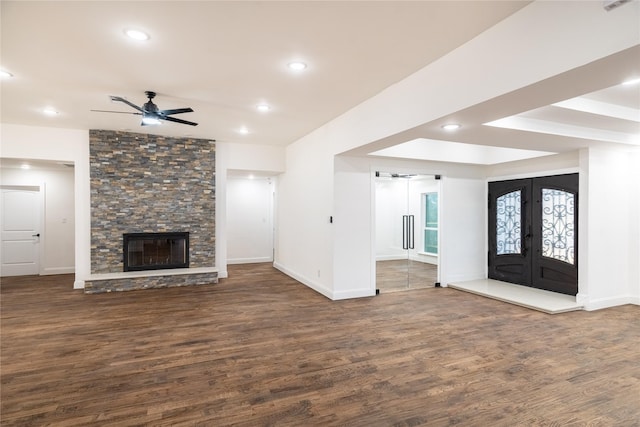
x=149 y=106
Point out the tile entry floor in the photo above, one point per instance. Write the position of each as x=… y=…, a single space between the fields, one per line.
x=536 y=299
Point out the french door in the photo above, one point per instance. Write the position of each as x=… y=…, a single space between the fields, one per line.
x=533 y=232
x=406 y=231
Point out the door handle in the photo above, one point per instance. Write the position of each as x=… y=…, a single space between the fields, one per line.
x=411 y=232
x=35 y=235
x=526 y=244
x=405 y=231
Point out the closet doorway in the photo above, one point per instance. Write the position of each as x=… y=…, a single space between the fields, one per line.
x=406 y=231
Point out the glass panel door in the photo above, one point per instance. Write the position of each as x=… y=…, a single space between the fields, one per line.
x=406 y=231
x=392 y=232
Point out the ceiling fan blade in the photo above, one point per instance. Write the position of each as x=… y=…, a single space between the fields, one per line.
x=120 y=112
x=121 y=99
x=172 y=119
x=175 y=111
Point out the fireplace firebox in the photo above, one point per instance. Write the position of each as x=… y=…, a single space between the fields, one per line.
x=154 y=251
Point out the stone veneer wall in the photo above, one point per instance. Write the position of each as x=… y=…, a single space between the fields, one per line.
x=149 y=183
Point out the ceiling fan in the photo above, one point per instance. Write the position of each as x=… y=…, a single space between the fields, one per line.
x=150 y=113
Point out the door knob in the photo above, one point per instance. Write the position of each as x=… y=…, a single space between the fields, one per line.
x=35 y=235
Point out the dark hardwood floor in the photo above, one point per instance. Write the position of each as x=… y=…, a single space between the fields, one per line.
x=259 y=349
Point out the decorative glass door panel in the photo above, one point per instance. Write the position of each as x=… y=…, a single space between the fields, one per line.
x=509 y=223
x=558 y=225
x=508 y=219
x=533 y=232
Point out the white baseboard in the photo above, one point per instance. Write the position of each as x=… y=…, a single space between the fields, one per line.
x=353 y=293
x=249 y=260
x=321 y=289
x=309 y=283
x=601 y=303
x=57 y=270
x=457 y=278
x=78 y=284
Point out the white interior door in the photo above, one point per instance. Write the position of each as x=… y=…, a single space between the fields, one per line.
x=20 y=211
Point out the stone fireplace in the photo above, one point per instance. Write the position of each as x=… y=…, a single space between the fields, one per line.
x=155 y=186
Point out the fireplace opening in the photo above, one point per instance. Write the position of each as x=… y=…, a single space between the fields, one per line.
x=154 y=251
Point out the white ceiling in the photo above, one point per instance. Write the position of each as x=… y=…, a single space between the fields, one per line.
x=224 y=58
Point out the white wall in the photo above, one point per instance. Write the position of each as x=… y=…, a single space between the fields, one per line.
x=634 y=226
x=253 y=157
x=541 y=166
x=305 y=239
x=58 y=236
x=608 y=269
x=67 y=145
x=463 y=208
x=353 y=249
x=250 y=219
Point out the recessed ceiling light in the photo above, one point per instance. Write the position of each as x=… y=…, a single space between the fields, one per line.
x=137 y=34
x=243 y=130
x=631 y=81
x=451 y=126
x=5 y=74
x=263 y=108
x=50 y=111
x=25 y=166
x=297 y=65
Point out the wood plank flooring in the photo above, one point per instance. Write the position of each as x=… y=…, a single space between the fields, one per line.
x=260 y=349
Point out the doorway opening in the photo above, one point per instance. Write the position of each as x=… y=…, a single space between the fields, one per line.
x=250 y=217
x=38 y=217
x=406 y=231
